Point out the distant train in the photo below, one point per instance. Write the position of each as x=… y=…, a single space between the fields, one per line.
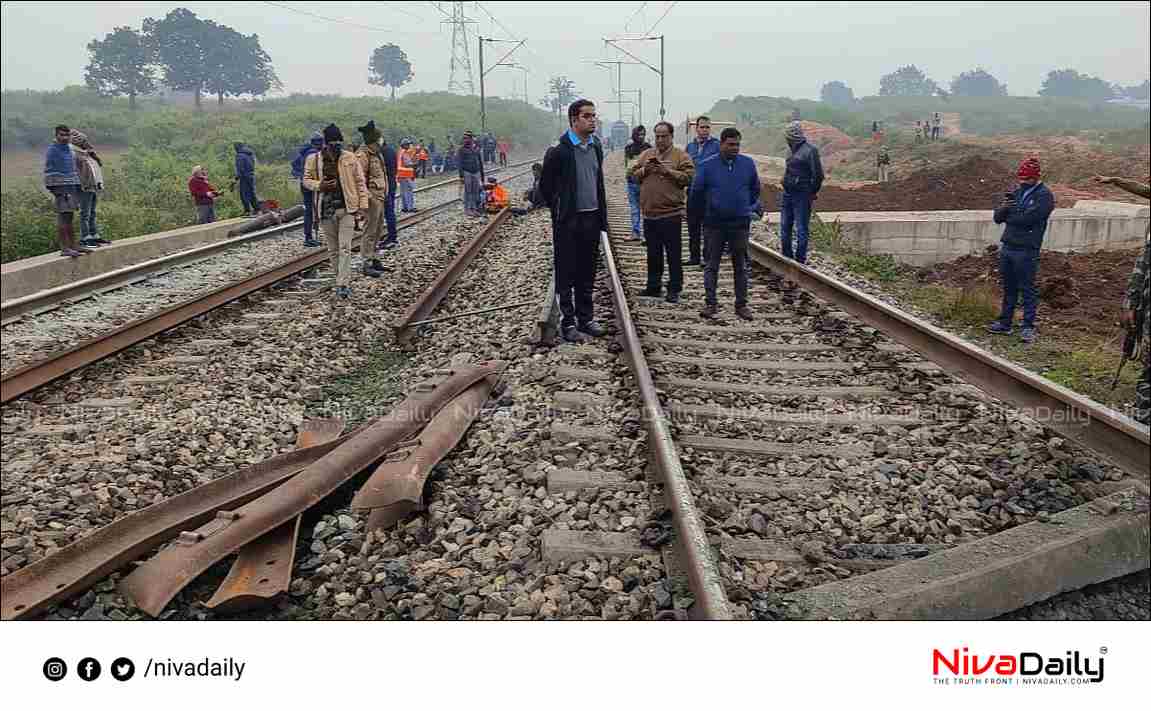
x=620 y=134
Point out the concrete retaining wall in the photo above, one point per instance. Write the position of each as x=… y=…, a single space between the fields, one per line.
x=27 y=276
x=924 y=238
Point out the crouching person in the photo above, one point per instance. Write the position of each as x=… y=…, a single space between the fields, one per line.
x=335 y=177
x=496 y=196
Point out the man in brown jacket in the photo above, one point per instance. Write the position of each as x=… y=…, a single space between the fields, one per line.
x=663 y=174
x=336 y=180
x=376 y=177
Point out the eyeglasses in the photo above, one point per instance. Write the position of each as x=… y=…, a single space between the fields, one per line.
x=587 y=116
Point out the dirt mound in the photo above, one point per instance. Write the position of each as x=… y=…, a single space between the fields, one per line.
x=973 y=184
x=828 y=139
x=1082 y=292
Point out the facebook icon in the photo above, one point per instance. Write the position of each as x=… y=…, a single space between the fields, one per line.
x=88 y=669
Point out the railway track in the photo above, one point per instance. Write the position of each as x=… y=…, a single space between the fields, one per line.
x=809 y=447
x=24 y=379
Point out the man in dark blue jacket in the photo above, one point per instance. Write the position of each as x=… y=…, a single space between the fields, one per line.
x=702 y=148
x=571 y=183
x=802 y=179
x=313 y=146
x=726 y=192
x=1024 y=214
x=388 y=155
x=246 y=178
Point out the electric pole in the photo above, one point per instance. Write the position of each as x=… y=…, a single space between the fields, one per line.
x=460 y=70
x=484 y=73
x=660 y=71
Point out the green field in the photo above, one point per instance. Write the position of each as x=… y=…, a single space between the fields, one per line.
x=156 y=146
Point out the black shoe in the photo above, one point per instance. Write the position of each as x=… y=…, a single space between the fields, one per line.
x=572 y=335
x=672 y=297
x=744 y=313
x=652 y=293
x=592 y=329
x=311 y=243
x=709 y=311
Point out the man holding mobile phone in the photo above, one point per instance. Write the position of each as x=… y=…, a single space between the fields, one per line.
x=663 y=173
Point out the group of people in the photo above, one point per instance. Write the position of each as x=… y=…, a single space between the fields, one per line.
x=930 y=129
x=74 y=175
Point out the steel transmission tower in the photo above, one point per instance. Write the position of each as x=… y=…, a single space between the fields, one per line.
x=460 y=78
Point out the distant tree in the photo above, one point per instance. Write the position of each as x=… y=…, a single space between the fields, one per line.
x=389 y=66
x=907 y=81
x=1072 y=84
x=561 y=92
x=236 y=64
x=977 y=82
x=121 y=65
x=837 y=93
x=1139 y=92
x=181 y=41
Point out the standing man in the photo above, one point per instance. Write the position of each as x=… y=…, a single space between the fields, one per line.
x=312 y=146
x=702 y=148
x=631 y=152
x=1136 y=302
x=726 y=192
x=571 y=183
x=936 y=126
x=471 y=170
x=246 y=178
x=801 y=182
x=406 y=175
x=883 y=163
x=63 y=181
x=91 y=172
x=376 y=178
x=388 y=156
x=663 y=173
x=204 y=196
x=334 y=174
x=1024 y=214
x=503 y=148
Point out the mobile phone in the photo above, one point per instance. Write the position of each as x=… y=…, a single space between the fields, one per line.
x=1008 y=196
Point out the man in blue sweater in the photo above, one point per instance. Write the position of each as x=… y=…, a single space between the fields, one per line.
x=63 y=180
x=725 y=192
x=312 y=146
x=1024 y=213
x=702 y=148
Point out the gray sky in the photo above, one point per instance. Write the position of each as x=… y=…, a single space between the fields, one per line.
x=714 y=50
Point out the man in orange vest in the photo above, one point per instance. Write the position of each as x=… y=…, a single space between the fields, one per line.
x=497 y=196
x=406 y=174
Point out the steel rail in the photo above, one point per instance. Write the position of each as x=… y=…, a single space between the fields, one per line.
x=34 y=375
x=47 y=299
x=703 y=574
x=1081 y=419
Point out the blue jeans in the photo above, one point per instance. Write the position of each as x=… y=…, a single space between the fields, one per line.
x=87 y=214
x=309 y=211
x=794 y=210
x=409 y=198
x=390 y=215
x=1017 y=269
x=633 y=202
x=247 y=188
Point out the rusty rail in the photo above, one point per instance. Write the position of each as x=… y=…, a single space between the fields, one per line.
x=439 y=288
x=56 y=365
x=703 y=574
x=1089 y=423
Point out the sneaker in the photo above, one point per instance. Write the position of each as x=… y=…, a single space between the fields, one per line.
x=651 y=293
x=101 y=240
x=69 y=252
x=709 y=311
x=84 y=250
x=572 y=335
x=387 y=244
x=311 y=243
x=744 y=313
x=370 y=270
x=90 y=242
x=999 y=327
x=592 y=329
x=672 y=297
x=1027 y=334
x=343 y=292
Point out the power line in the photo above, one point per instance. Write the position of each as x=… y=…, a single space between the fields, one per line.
x=329 y=19
x=634 y=15
x=669 y=7
x=504 y=27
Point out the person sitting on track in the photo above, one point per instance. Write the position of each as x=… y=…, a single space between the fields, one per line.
x=496 y=196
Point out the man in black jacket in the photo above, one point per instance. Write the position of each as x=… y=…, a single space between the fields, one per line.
x=388 y=154
x=572 y=186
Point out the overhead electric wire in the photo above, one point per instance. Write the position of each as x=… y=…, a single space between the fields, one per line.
x=340 y=21
x=669 y=7
x=642 y=5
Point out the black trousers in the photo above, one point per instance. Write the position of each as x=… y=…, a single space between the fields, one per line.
x=575 y=247
x=664 y=241
x=694 y=234
x=735 y=236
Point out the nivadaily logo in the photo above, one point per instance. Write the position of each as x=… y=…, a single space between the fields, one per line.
x=1025 y=668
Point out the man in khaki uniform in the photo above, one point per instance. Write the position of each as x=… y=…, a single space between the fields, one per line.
x=376 y=177
x=336 y=179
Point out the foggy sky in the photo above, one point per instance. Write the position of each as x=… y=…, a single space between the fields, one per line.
x=714 y=50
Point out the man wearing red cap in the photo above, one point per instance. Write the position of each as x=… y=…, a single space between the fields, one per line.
x=1024 y=214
